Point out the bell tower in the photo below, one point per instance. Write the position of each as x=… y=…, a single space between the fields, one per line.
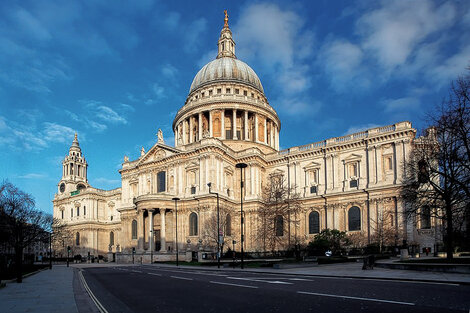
x=74 y=170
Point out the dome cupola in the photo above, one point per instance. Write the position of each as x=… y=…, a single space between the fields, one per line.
x=226 y=101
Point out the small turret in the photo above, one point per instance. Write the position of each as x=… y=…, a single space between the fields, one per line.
x=74 y=169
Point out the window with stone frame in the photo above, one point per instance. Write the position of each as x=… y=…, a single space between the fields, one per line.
x=313 y=222
x=111 y=238
x=353 y=169
x=279 y=225
x=134 y=229
x=77 y=239
x=425 y=218
x=228 y=225
x=193 y=224
x=387 y=163
x=354 y=218
x=161 y=181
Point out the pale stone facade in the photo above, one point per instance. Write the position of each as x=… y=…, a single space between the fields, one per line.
x=226 y=120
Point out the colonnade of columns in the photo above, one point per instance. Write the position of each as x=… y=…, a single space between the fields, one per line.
x=150 y=237
x=241 y=125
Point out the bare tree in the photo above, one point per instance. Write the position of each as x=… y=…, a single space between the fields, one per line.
x=21 y=221
x=62 y=236
x=210 y=228
x=385 y=233
x=437 y=174
x=280 y=210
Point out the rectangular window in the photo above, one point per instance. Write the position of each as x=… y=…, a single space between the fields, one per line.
x=62 y=214
x=219 y=90
x=245 y=93
x=78 y=211
x=210 y=92
x=252 y=95
x=353 y=183
x=239 y=135
x=227 y=90
x=193 y=190
x=71 y=212
x=313 y=189
x=84 y=210
x=353 y=170
x=161 y=181
x=228 y=134
x=237 y=91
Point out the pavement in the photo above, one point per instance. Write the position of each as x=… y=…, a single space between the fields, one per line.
x=60 y=290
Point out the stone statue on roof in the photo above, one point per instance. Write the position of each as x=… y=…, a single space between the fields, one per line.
x=160 y=136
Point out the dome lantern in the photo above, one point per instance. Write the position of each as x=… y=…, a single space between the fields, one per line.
x=226 y=44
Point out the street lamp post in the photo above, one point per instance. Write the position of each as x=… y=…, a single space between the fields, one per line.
x=176 y=224
x=218 y=224
x=50 y=250
x=241 y=166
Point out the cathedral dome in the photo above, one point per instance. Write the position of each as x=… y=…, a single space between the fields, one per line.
x=226 y=69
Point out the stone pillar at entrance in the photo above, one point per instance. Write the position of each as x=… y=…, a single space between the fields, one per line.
x=151 y=239
x=162 y=230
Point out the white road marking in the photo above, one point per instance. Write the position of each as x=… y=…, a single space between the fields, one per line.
x=134 y=271
x=261 y=281
x=155 y=274
x=98 y=304
x=300 y=279
x=354 y=298
x=189 y=272
x=178 y=277
x=236 y=285
x=392 y=280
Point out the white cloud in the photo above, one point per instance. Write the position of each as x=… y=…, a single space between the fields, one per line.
x=106 y=181
x=158 y=90
x=192 y=34
x=343 y=62
x=401 y=104
x=54 y=132
x=278 y=43
x=33 y=176
x=393 y=31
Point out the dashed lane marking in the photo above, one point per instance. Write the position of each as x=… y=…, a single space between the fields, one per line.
x=178 y=277
x=261 y=281
x=353 y=298
x=235 y=285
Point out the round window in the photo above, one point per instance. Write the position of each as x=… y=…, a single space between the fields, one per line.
x=62 y=187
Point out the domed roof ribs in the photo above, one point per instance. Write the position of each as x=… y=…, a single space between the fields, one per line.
x=226 y=45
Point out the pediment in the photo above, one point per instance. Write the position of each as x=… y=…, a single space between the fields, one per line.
x=312 y=165
x=192 y=166
x=157 y=152
x=352 y=157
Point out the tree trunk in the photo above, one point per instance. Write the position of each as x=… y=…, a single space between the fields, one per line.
x=450 y=233
x=19 y=264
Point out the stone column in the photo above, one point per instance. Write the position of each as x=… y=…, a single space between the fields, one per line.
x=191 y=126
x=222 y=123
x=210 y=124
x=140 y=230
x=162 y=230
x=265 y=131
x=151 y=239
x=234 y=124
x=184 y=132
x=255 y=137
x=245 y=135
x=199 y=119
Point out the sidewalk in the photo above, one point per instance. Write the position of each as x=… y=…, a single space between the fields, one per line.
x=46 y=291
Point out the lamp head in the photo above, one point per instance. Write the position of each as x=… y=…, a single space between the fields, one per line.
x=175 y=198
x=209 y=185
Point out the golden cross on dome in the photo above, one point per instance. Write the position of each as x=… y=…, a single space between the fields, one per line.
x=225 y=19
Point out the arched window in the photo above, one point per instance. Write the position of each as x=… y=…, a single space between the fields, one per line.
x=313 y=222
x=134 y=229
x=228 y=225
x=111 y=238
x=354 y=218
x=77 y=239
x=426 y=217
x=193 y=224
x=279 y=225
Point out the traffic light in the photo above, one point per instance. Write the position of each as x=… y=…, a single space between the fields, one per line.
x=69 y=249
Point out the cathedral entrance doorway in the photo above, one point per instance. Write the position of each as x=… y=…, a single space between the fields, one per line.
x=156 y=239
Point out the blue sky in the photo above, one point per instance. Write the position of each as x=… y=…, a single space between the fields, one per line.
x=116 y=71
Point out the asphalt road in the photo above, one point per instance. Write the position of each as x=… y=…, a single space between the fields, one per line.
x=154 y=289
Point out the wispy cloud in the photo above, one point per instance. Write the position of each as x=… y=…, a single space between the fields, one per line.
x=33 y=176
x=279 y=43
